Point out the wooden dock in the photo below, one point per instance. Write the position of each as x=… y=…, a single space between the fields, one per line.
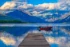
x=34 y=40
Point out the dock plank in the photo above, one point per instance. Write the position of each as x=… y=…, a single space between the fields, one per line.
x=34 y=40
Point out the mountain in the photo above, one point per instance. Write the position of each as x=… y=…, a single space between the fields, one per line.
x=54 y=13
x=19 y=16
x=25 y=17
x=57 y=14
x=5 y=17
x=66 y=20
x=67 y=28
x=8 y=19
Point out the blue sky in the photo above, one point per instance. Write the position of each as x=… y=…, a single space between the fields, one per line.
x=41 y=1
x=32 y=1
x=3 y=1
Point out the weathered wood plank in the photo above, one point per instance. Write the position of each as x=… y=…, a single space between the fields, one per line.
x=34 y=40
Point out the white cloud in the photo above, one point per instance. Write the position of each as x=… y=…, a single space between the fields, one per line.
x=64 y=4
x=61 y=41
x=7 y=39
x=46 y=6
x=25 y=6
x=8 y=5
x=37 y=9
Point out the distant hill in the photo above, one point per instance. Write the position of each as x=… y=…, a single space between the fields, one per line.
x=25 y=17
x=18 y=16
x=66 y=20
x=8 y=19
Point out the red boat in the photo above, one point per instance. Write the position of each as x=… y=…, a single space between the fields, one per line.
x=45 y=28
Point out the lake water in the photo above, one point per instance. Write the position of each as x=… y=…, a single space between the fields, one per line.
x=11 y=36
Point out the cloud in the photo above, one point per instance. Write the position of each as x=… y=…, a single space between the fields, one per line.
x=8 y=5
x=64 y=4
x=25 y=6
x=60 y=41
x=56 y=40
x=36 y=10
x=61 y=5
x=7 y=39
x=46 y=6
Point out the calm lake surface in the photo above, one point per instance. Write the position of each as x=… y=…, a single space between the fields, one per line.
x=11 y=36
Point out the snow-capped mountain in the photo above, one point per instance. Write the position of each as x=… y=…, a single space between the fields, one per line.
x=49 y=16
x=55 y=16
x=25 y=17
